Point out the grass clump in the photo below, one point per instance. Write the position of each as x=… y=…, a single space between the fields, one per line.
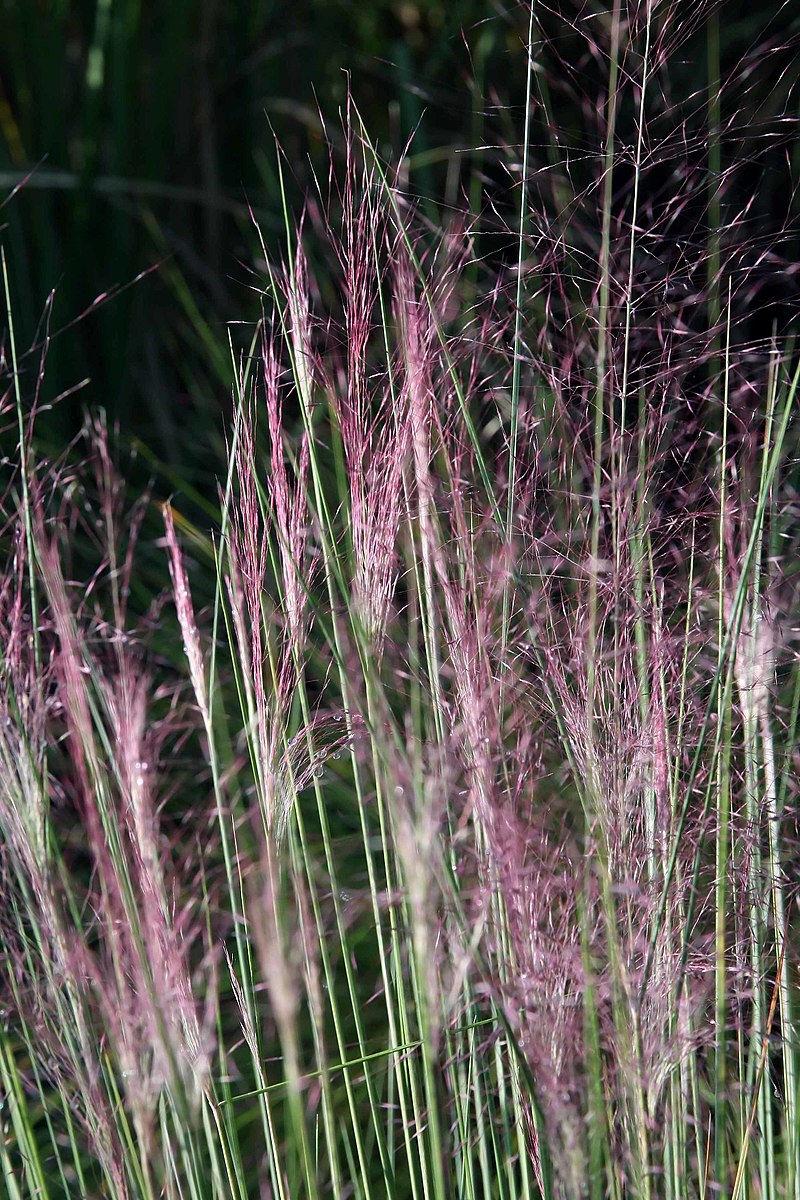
x=453 y=856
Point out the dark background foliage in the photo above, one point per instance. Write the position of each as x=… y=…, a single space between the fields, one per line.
x=145 y=131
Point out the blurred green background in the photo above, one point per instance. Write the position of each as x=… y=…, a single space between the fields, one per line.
x=145 y=128
x=149 y=128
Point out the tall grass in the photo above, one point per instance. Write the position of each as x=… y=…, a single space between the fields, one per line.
x=454 y=856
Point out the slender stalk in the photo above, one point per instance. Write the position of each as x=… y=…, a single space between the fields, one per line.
x=516 y=372
x=722 y=821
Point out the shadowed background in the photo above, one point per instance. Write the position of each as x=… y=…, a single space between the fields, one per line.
x=146 y=131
